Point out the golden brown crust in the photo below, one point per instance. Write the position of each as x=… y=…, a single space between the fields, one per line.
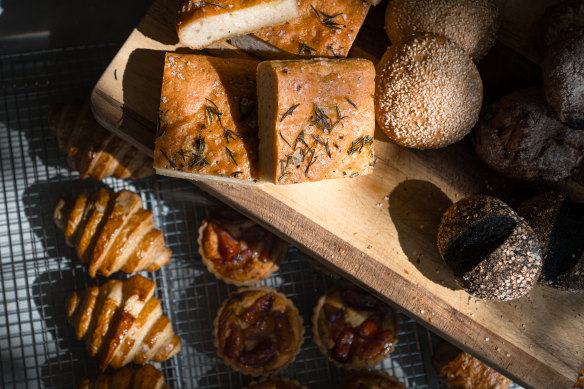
x=112 y=232
x=372 y=380
x=322 y=35
x=122 y=322
x=208 y=118
x=258 y=331
x=91 y=149
x=238 y=250
x=353 y=329
x=316 y=120
x=147 y=377
x=459 y=370
x=428 y=92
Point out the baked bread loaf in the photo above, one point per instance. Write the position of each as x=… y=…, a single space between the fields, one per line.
x=353 y=328
x=316 y=119
x=558 y=224
x=520 y=138
x=258 y=331
x=492 y=251
x=324 y=28
x=558 y=21
x=112 y=232
x=459 y=370
x=372 y=380
x=473 y=24
x=91 y=149
x=428 y=92
x=237 y=250
x=275 y=383
x=563 y=78
x=122 y=322
x=201 y=23
x=146 y=377
x=207 y=126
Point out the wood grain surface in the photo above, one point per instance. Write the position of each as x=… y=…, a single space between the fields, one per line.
x=380 y=230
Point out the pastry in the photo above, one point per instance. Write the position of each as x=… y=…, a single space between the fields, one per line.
x=324 y=29
x=91 y=149
x=473 y=24
x=146 y=377
x=201 y=23
x=354 y=329
x=258 y=331
x=519 y=138
x=238 y=250
x=428 y=92
x=558 y=20
x=112 y=232
x=492 y=251
x=558 y=224
x=122 y=322
x=372 y=380
x=316 y=119
x=563 y=78
x=207 y=125
x=275 y=383
x=459 y=370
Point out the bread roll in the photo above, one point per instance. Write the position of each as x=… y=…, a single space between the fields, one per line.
x=316 y=119
x=428 y=92
x=207 y=126
x=201 y=23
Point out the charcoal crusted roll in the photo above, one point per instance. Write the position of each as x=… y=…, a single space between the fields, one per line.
x=558 y=224
x=492 y=251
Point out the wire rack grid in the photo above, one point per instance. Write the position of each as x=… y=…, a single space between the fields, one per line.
x=38 y=270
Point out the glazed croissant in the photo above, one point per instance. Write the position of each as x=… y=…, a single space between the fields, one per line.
x=121 y=322
x=91 y=149
x=147 y=377
x=112 y=232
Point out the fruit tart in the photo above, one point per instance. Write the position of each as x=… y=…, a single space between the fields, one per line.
x=238 y=250
x=354 y=329
x=372 y=380
x=258 y=331
x=275 y=383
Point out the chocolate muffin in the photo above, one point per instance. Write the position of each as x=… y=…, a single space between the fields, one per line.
x=559 y=226
x=493 y=252
x=520 y=138
x=558 y=21
x=563 y=78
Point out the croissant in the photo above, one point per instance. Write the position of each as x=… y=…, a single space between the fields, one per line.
x=91 y=149
x=112 y=232
x=147 y=377
x=121 y=322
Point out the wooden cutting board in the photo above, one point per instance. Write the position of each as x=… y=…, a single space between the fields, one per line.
x=380 y=230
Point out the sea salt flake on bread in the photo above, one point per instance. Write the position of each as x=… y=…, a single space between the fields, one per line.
x=207 y=124
x=201 y=23
x=316 y=119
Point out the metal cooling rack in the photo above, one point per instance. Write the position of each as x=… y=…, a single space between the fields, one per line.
x=38 y=270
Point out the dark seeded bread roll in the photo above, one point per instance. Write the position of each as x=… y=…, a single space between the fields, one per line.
x=519 y=137
x=559 y=226
x=493 y=252
x=459 y=370
x=559 y=20
x=563 y=78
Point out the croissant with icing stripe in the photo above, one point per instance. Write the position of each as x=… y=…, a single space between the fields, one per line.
x=91 y=149
x=112 y=232
x=147 y=377
x=121 y=322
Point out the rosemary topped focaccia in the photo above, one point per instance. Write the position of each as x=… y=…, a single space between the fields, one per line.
x=316 y=119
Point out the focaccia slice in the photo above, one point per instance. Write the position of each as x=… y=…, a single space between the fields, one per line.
x=316 y=119
x=207 y=127
x=325 y=28
x=201 y=23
